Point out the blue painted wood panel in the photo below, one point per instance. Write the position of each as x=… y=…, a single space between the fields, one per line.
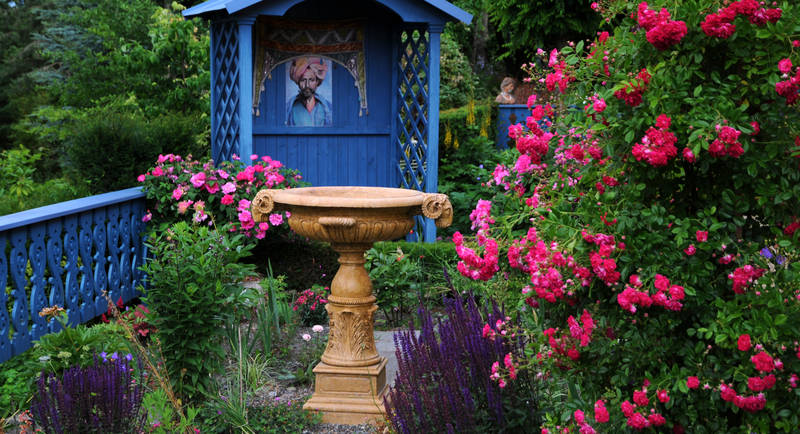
x=361 y=159
x=67 y=254
x=355 y=150
x=507 y=115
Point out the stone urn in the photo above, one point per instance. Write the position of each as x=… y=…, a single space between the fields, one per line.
x=351 y=378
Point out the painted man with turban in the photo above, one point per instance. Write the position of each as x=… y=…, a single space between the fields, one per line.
x=308 y=109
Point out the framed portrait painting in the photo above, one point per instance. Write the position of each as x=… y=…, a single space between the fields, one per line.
x=309 y=92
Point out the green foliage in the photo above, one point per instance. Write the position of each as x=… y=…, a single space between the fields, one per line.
x=18 y=58
x=152 y=53
x=464 y=122
x=17 y=386
x=260 y=317
x=458 y=82
x=304 y=262
x=308 y=355
x=431 y=259
x=116 y=89
x=110 y=151
x=194 y=282
x=273 y=418
x=79 y=346
x=16 y=172
x=527 y=25
x=231 y=408
x=54 y=353
x=467 y=158
x=18 y=183
x=620 y=212
x=396 y=283
x=162 y=417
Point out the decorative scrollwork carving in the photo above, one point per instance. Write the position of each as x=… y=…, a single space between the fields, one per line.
x=262 y=206
x=437 y=206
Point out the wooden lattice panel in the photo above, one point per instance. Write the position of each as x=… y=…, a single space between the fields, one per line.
x=225 y=91
x=412 y=112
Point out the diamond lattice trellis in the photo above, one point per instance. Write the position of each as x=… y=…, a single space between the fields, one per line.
x=225 y=91
x=412 y=111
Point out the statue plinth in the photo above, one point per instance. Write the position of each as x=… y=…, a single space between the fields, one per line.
x=351 y=378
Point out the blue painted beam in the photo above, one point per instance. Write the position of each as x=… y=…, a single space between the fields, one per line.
x=427 y=11
x=245 y=36
x=432 y=178
x=49 y=212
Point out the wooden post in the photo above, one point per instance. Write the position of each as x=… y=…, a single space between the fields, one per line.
x=245 y=25
x=432 y=155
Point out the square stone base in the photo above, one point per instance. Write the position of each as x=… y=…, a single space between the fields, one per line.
x=349 y=395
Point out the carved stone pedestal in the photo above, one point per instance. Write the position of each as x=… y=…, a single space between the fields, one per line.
x=349 y=395
x=351 y=378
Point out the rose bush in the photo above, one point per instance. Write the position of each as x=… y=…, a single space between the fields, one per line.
x=185 y=189
x=648 y=221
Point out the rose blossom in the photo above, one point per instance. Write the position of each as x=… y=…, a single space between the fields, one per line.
x=744 y=343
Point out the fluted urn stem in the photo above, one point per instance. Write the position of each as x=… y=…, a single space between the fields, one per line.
x=351 y=311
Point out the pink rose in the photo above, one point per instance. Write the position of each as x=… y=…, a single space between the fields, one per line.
x=177 y=193
x=228 y=188
x=785 y=66
x=198 y=179
x=275 y=219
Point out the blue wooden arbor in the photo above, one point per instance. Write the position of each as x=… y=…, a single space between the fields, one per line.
x=384 y=113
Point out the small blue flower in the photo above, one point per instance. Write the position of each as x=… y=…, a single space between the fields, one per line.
x=780 y=260
x=481 y=166
x=104 y=355
x=766 y=253
x=129 y=357
x=115 y=356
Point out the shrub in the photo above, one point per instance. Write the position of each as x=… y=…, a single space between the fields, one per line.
x=458 y=81
x=110 y=150
x=396 y=282
x=445 y=380
x=649 y=231
x=185 y=189
x=467 y=163
x=75 y=346
x=273 y=418
x=18 y=180
x=432 y=259
x=17 y=385
x=304 y=262
x=104 y=397
x=194 y=280
x=310 y=305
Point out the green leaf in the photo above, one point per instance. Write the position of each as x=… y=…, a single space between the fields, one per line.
x=698 y=90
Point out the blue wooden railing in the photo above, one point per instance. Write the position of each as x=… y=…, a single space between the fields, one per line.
x=67 y=254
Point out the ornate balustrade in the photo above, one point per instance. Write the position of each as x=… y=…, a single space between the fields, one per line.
x=67 y=254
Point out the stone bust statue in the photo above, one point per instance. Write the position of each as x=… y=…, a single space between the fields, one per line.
x=506 y=95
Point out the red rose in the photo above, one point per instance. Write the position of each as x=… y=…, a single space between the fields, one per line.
x=744 y=343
